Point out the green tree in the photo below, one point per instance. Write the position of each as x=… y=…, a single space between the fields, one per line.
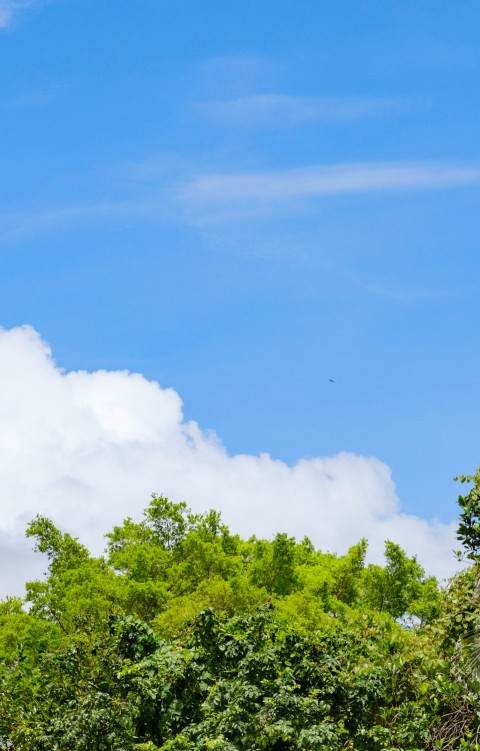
x=469 y=526
x=186 y=636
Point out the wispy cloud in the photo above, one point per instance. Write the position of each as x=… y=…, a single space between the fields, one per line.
x=220 y=197
x=19 y=225
x=158 y=193
x=262 y=109
x=10 y=9
x=133 y=191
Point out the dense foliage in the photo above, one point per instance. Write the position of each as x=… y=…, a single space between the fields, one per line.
x=185 y=636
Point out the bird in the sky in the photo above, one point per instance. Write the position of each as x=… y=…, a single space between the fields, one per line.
x=331 y=380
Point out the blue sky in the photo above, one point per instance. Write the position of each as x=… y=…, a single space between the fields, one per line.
x=242 y=200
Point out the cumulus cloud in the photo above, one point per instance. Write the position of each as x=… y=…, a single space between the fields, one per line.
x=87 y=449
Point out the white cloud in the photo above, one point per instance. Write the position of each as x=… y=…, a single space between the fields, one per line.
x=220 y=197
x=10 y=9
x=278 y=109
x=88 y=449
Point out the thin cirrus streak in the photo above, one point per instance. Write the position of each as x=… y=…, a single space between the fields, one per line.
x=324 y=180
x=261 y=109
x=23 y=224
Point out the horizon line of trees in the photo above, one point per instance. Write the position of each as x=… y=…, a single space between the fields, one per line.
x=185 y=636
